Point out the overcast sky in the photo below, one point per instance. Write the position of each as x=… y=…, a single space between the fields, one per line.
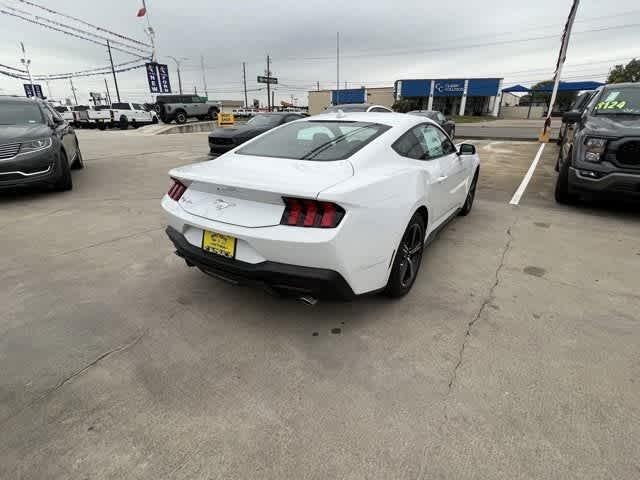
x=381 y=41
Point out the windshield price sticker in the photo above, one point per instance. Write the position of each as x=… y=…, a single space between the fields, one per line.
x=611 y=105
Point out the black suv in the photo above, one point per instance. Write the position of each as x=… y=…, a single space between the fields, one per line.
x=37 y=147
x=601 y=151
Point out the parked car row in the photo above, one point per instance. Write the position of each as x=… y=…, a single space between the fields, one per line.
x=120 y=115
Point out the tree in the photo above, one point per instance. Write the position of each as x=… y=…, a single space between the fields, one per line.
x=625 y=73
x=405 y=105
x=563 y=99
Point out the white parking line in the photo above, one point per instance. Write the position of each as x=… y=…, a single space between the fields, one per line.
x=515 y=200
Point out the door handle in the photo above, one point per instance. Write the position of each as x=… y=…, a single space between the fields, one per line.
x=441 y=179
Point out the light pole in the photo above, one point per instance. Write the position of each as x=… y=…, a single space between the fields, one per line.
x=178 y=68
x=26 y=62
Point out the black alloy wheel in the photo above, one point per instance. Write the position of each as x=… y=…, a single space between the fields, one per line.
x=471 y=195
x=408 y=259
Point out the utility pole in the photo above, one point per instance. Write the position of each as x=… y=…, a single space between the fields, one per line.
x=178 y=68
x=244 y=79
x=204 y=77
x=73 y=90
x=338 y=68
x=113 y=70
x=273 y=99
x=195 y=90
x=268 y=85
x=318 y=85
x=27 y=62
x=106 y=85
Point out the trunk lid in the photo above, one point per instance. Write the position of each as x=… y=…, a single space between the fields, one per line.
x=247 y=190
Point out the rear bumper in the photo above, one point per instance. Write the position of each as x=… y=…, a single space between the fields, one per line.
x=216 y=148
x=291 y=279
x=616 y=183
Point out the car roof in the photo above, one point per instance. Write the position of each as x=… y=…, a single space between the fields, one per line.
x=15 y=98
x=279 y=113
x=625 y=84
x=391 y=119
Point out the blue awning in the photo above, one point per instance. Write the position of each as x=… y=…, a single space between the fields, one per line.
x=563 y=87
x=516 y=88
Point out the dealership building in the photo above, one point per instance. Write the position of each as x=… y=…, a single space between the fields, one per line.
x=454 y=96
x=457 y=96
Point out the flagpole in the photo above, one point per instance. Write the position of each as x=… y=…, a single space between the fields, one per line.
x=544 y=136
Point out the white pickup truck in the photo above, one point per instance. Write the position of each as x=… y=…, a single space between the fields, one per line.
x=65 y=112
x=124 y=115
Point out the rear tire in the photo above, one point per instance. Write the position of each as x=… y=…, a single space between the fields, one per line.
x=181 y=117
x=213 y=114
x=134 y=124
x=123 y=124
x=64 y=183
x=408 y=259
x=154 y=120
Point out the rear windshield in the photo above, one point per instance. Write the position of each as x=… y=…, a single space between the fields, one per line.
x=618 y=101
x=315 y=140
x=264 y=121
x=348 y=108
x=20 y=113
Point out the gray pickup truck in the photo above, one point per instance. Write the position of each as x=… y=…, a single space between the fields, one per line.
x=182 y=107
x=601 y=150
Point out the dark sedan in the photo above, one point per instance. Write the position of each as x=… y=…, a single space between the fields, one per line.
x=222 y=140
x=448 y=125
x=37 y=147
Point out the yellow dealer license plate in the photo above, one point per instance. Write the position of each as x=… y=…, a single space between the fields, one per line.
x=219 y=244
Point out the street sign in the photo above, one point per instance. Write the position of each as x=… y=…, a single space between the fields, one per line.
x=225 y=119
x=269 y=80
x=158 y=78
x=33 y=90
x=152 y=78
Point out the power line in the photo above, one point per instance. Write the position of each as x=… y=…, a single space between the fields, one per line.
x=69 y=27
x=53 y=12
x=67 y=33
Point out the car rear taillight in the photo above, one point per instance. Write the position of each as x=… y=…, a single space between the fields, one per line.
x=177 y=189
x=311 y=213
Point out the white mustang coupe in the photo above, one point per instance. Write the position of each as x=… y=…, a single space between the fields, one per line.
x=334 y=205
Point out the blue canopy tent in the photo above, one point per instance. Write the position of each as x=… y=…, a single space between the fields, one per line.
x=562 y=87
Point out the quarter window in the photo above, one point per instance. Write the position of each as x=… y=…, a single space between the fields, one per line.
x=424 y=142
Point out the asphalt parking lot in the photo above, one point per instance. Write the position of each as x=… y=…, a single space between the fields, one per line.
x=515 y=356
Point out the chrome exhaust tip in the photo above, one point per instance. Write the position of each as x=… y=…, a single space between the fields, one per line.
x=308 y=300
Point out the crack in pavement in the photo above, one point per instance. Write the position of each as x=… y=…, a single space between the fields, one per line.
x=67 y=379
x=484 y=304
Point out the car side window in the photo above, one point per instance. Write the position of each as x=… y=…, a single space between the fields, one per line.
x=52 y=115
x=291 y=118
x=410 y=144
x=137 y=106
x=436 y=142
x=379 y=109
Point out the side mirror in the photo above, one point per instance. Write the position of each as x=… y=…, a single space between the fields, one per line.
x=467 y=149
x=572 y=116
